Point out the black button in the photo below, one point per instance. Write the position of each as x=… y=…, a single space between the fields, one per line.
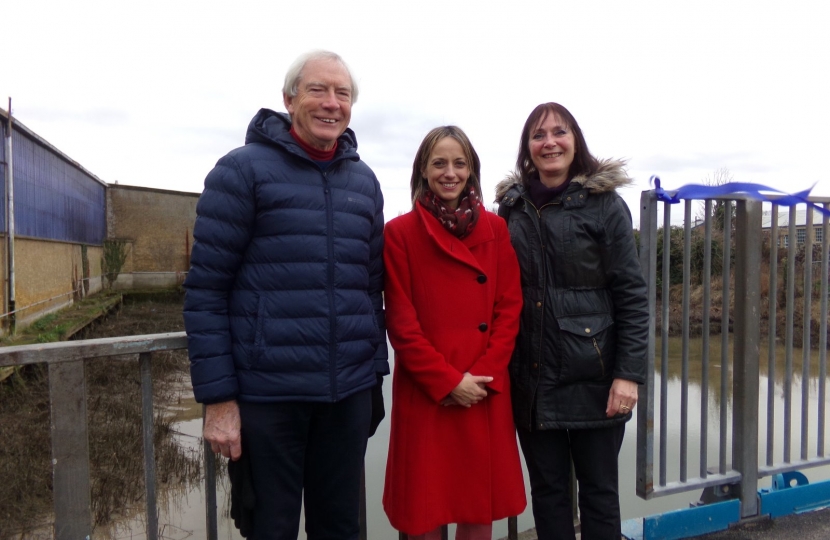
x=535 y=365
x=482 y=278
x=483 y=327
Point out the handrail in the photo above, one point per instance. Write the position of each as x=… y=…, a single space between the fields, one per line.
x=70 y=449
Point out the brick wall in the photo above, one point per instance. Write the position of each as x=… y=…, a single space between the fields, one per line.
x=158 y=224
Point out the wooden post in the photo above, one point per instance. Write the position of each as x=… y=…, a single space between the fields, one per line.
x=70 y=451
x=148 y=436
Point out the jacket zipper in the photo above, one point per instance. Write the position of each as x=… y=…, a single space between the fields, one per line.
x=332 y=313
x=538 y=224
x=599 y=353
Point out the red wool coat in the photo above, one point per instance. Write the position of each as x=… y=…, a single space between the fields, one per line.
x=452 y=306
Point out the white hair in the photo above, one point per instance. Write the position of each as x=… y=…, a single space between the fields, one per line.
x=294 y=73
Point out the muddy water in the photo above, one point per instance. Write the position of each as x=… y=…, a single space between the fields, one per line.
x=182 y=516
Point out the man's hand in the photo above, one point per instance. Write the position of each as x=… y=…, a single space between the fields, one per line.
x=222 y=429
x=470 y=390
x=622 y=398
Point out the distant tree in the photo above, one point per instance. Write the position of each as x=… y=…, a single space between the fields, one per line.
x=114 y=257
x=718 y=178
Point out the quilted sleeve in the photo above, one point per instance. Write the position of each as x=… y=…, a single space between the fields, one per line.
x=225 y=215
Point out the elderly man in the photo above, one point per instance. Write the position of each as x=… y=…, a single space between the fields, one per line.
x=283 y=310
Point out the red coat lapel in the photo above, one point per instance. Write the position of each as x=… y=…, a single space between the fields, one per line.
x=459 y=249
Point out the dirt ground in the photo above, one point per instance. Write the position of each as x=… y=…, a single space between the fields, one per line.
x=114 y=411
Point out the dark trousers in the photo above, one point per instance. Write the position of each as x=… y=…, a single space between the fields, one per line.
x=548 y=454
x=313 y=447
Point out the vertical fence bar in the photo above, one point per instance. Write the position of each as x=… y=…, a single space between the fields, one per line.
x=724 y=332
x=645 y=403
x=806 y=350
x=773 y=327
x=704 y=361
x=664 y=343
x=792 y=249
x=70 y=451
x=822 y=361
x=746 y=370
x=211 y=518
x=148 y=436
x=512 y=528
x=684 y=365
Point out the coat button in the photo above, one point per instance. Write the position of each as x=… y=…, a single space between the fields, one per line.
x=482 y=327
x=587 y=330
x=538 y=304
x=482 y=278
x=535 y=365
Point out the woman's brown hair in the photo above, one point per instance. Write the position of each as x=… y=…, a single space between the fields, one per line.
x=419 y=184
x=583 y=164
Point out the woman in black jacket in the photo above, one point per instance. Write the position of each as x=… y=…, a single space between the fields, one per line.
x=581 y=350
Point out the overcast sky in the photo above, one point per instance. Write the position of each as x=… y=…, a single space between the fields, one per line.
x=152 y=93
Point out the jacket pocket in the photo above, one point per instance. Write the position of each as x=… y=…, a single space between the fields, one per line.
x=586 y=347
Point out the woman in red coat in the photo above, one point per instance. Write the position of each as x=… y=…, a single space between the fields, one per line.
x=453 y=299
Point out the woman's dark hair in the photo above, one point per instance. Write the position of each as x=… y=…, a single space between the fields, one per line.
x=583 y=164
x=419 y=184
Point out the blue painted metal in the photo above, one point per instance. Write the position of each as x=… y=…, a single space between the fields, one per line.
x=787 y=499
x=690 y=522
x=785 y=480
x=55 y=199
x=632 y=529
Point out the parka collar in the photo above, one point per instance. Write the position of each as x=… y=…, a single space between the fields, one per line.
x=271 y=127
x=610 y=175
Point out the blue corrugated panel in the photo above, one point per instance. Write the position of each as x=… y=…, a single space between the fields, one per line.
x=691 y=522
x=54 y=199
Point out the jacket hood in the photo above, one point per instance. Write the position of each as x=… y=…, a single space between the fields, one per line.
x=271 y=127
x=610 y=175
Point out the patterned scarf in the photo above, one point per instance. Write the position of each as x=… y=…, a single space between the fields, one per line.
x=461 y=221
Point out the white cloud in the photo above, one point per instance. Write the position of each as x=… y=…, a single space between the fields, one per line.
x=154 y=93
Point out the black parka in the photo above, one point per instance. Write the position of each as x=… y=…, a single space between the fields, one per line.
x=585 y=316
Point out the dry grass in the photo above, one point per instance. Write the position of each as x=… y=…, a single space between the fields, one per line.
x=716 y=304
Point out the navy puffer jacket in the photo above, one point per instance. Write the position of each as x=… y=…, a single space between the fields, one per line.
x=283 y=298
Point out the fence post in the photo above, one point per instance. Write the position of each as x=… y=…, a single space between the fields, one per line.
x=211 y=516
x=70 y=451
x=645 y=401
x=148 y=437
x=746 y=359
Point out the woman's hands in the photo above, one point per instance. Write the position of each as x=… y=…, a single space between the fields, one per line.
x=469 y=391
x=622 y=398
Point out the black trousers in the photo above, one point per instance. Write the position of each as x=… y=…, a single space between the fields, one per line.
x=316 y=448
x=594 y=452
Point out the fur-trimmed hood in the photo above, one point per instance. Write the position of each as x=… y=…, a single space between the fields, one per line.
x=610 y=175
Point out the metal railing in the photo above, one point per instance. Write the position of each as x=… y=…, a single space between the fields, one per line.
x=738 y=476
x=70 y=446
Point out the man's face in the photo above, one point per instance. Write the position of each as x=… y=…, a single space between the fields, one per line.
x=322 y=108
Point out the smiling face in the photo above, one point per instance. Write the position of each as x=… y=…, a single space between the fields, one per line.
x=551 y=148
x=447 y=171
x=322 y=108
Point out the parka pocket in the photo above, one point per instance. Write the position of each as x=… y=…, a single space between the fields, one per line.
x=259 y=332
x=586 y=347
